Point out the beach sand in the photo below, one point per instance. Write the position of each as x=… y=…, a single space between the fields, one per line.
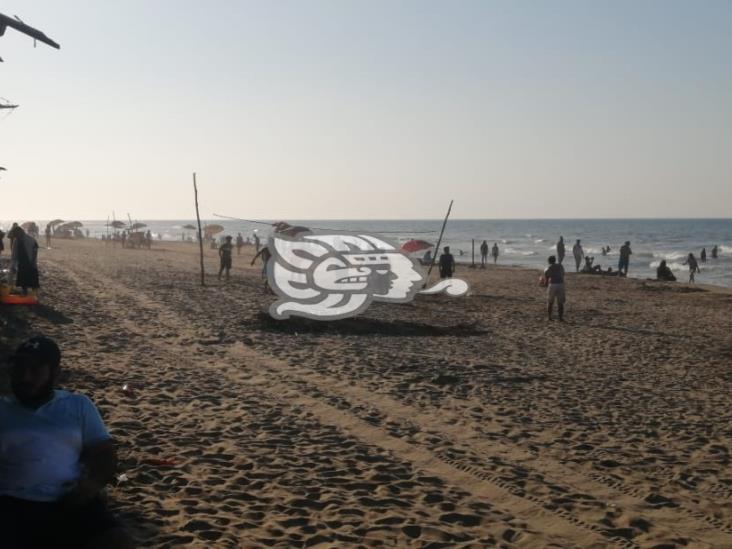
x=445 y=422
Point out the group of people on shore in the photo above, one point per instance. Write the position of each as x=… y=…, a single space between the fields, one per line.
x=579 y=255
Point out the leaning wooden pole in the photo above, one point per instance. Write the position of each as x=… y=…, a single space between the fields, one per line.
x=200 y=236
x=439 y=241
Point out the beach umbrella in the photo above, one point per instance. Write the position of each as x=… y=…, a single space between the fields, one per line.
x=211 y=230
x=136 y=226
x=411 y=246
x=189 y=227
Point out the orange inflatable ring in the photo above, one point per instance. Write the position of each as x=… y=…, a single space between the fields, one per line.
x=13 y=299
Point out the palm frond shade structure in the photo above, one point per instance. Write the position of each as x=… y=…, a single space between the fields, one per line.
x=55 y=222
x=137 y=226
x=210 y=230
x=17 y=24
x=117 y=225
x=70 y=226
x=189 y=227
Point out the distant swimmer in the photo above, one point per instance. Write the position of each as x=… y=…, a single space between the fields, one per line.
x=554 y=279
x=715 y=252
x=494 y=252
x=483 y=254
x=693 y=267
x=225 y=253
x=578 y=254
x=624 y=261
x=703 y=255
x=560 y=250
x=664 y=273
x=447 y=263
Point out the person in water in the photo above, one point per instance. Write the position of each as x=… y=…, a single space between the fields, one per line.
x=664 y=273
x=24 y=259
x=447 y=263
x=693 y=267
x=560 y=250
x=715 y=252
x=554 y=277
x=624 y=261
x=703 y=255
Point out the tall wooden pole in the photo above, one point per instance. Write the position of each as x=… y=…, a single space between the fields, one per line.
x=200 y=237
x=473 y=265
x=439 y=241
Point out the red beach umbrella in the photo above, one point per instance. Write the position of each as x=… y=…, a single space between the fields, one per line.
x=411 y=246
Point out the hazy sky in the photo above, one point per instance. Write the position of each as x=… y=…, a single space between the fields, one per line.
x=372 y=109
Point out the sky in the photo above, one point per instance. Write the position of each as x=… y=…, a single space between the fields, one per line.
x=368 y=110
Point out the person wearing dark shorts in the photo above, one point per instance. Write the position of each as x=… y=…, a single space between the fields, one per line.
x=56 y=456
x=225 y=253
x=447 y=263
x=554 y=278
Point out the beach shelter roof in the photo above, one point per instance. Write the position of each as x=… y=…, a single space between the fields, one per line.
x=189 y=227
x=282 y=227
x=55 y=222
x=117 y=224
x=411 y=246
x=212 y=229
x=136 y=226
x=71 y=225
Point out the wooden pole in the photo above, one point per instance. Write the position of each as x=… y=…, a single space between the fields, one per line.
x=439 y=241
x=473 y=265
x=200 y=238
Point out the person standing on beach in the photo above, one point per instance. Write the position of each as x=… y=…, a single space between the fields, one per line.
x=447 y=263
x=265 y=255
x=56 y=456
x=554 y=279
x=2 y=246
x=494 y=252
x=560 y=249
x=703 y=255
x=48 y=236
x=578 y=254
x=24 y=259
x=225 y=252
x=483 y=254
x=239 y=243
x=624 y=261
x=693 y=267
x=257 y=242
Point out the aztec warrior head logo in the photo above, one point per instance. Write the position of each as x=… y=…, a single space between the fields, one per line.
x=327 y=276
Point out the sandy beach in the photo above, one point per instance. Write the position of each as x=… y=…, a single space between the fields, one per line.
x=467 y=422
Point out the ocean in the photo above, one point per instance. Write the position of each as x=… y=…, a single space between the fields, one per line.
x=525 y=242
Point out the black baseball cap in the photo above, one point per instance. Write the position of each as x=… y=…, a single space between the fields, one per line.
x=38 y=349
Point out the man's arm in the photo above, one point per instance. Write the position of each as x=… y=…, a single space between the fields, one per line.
x=256 y=256
x=99 y=464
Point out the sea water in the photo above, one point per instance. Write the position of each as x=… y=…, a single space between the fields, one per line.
x=523 y=242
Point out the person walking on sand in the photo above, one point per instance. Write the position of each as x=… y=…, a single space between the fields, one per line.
x=624 y=261
x=560 y=250
x=48 y=236
x=483 y=254
x=24 y=259
x=494 y=252
x=554 y=280
x=447 y=263
x=225 y=253
x=239 y=243
x=703 y=255
x=693 y=267
x=578 y=254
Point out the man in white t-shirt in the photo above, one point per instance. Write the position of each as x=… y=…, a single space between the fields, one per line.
x=55 y=457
